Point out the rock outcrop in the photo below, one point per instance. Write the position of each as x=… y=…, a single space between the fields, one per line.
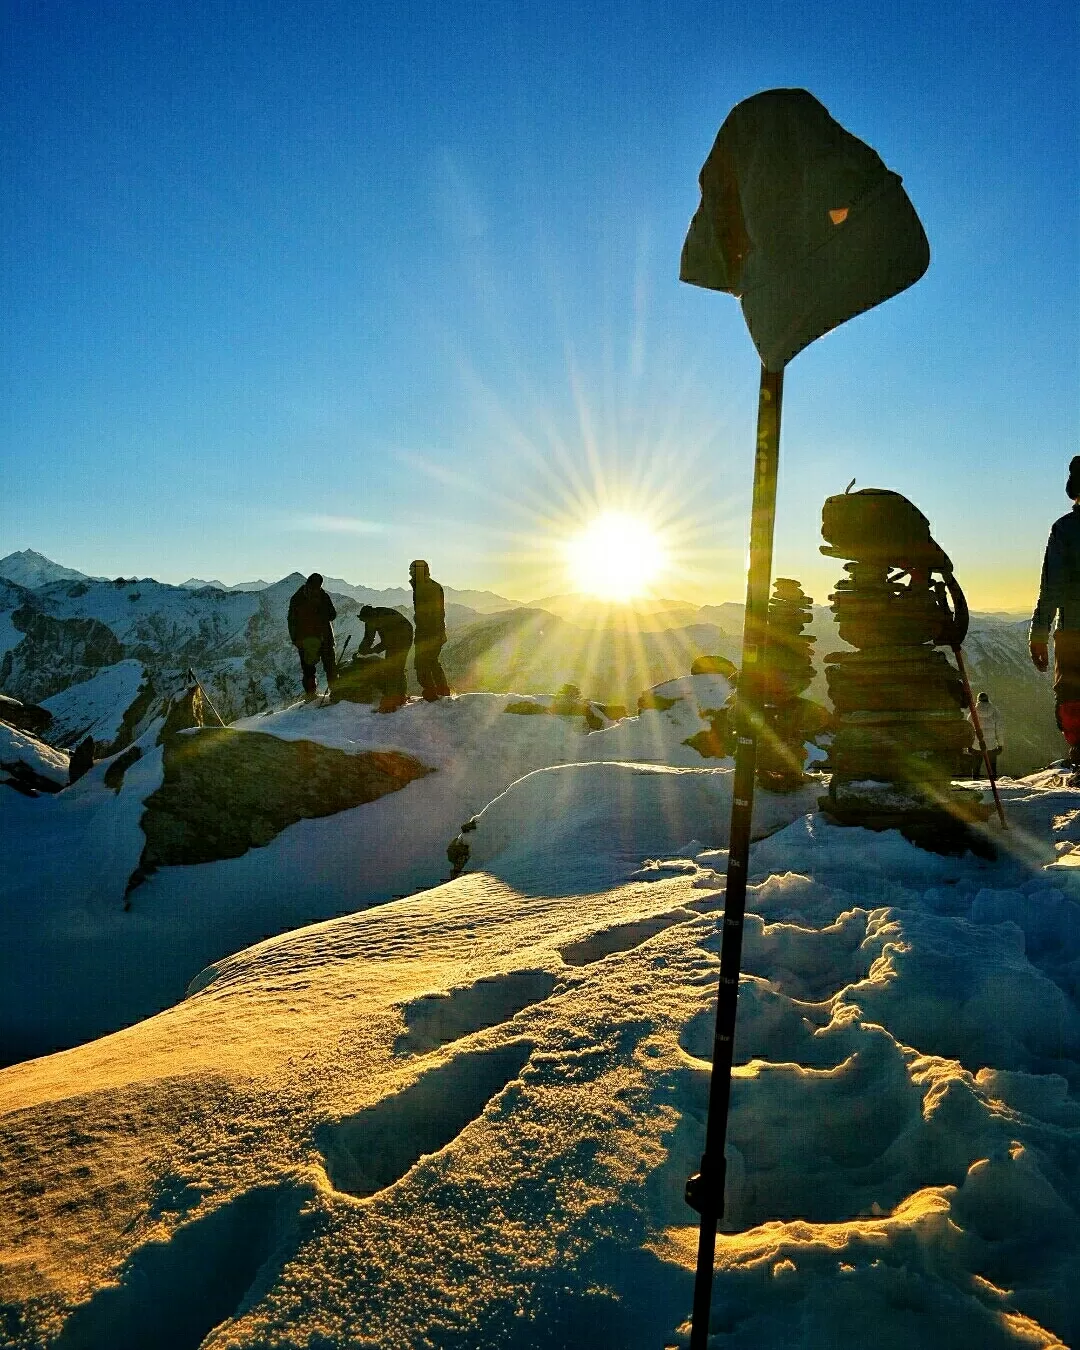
x=225 y=791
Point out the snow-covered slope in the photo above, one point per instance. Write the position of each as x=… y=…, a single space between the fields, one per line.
x=465 y=1118
x=74 y=963
x=28 y=763
x=95 y=707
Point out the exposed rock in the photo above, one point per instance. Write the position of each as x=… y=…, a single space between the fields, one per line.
x=56 y=653
x=651 y=699
x=716 y=742
x=568 y=702
x=186 y=711
x=82 y=759
x=787 y=669
x=225 y=791
x=715 y=665
x=897 y=699
x=114 y=774
x=25 y=716
x=134 y=714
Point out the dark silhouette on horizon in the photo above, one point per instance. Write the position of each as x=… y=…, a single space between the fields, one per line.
x=429 y=616
x=1059 y=598
x=311 y=631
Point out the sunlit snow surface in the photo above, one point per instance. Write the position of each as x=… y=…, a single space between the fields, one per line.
x=465 y=1118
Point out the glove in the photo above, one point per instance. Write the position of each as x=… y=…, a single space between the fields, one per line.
x=1040 y=657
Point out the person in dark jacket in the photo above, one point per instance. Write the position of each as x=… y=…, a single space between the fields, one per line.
x=395 y=634
x=311 y=631
x=1059 y=597
x=429 y=615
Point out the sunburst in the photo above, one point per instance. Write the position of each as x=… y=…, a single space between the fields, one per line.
x=618 y=557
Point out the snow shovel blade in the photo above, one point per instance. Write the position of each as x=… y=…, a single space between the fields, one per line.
x=801 y=221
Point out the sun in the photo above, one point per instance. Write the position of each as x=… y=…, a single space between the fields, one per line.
x=617 y=557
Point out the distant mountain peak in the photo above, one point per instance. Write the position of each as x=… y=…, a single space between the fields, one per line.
x=195 y=584
x=29 y=568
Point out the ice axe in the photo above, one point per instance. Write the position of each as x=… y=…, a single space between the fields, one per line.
x=803 y=223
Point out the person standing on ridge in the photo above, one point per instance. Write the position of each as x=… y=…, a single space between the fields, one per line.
x=395 y=635
x=429 y=615
x=311 y=631
x=1059 y=597
x=992 y=726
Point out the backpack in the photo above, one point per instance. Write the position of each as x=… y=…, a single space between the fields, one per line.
x=879 y=526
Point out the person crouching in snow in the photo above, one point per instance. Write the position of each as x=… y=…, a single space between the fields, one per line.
x=395 y=634
x=992 y=724
x=1059 y=597
x=311 y=631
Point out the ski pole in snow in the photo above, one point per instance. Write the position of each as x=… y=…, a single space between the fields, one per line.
x=805 y=224
x=958 y=653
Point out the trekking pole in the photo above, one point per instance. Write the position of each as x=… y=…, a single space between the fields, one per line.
x=773 y=229
x=344 y=649
x=958 y=653
x=705 y=1189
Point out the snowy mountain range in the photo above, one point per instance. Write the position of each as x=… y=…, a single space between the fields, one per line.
x=86 y=639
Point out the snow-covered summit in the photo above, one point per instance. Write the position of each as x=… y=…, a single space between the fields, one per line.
x=30 y=568
x=465 y=1117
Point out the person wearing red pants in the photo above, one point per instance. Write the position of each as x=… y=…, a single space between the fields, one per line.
x=1059 y=598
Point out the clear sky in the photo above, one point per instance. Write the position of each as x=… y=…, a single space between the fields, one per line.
x=319 y=285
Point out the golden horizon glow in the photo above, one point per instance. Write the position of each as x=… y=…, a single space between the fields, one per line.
x=617 y=557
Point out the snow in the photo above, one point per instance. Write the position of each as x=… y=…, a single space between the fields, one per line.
x=21 y=749
x=95 y=706
x=66 y=912
x=464 y=1118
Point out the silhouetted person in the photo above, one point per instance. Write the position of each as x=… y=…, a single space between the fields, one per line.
x=1059 y=597
x=993 y=727
x=429 y=615
x=311 y=631
x=395 y=634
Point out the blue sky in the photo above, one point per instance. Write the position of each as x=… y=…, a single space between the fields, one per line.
x=296 y=286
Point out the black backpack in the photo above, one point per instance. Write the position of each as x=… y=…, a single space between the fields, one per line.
x=879 y=526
